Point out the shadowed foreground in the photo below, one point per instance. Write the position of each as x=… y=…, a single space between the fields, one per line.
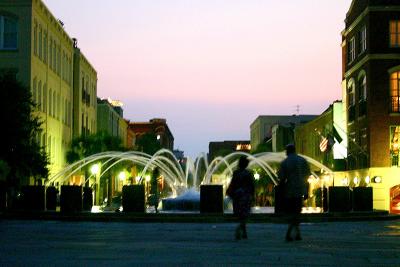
x=34 y=243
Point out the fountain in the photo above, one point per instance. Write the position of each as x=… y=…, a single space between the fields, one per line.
x=183 y=183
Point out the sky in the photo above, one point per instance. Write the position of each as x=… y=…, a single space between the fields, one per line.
x=210 y=67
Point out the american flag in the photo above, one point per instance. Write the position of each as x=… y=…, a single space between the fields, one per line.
x=323 y=146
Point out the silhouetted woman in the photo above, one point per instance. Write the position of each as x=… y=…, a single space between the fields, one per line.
x=241 y=191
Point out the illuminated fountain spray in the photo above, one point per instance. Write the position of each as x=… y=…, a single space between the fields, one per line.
x=173 y=173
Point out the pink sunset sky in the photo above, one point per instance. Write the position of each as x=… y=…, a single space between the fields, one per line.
x=210 y=67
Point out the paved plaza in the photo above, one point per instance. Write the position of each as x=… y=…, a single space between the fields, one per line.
x=56 y=243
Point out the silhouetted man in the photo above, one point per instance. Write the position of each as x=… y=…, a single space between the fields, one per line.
x=293 y=174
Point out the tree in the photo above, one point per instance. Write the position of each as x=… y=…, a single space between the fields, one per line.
x=19 y=147
x=148 y=143
x=84 y=146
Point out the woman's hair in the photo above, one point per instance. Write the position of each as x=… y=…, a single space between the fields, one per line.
x=243 y=162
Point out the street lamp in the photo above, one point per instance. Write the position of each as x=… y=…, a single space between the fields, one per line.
x=95 y=170
x=122 y=176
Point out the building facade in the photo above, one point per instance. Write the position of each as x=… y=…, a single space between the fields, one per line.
x=261 y=130
x=158 y=127
x=371 y=87
x=110 y=119
x=224 y=148
x=35 y=47
x=324 y=138
x=85 y=95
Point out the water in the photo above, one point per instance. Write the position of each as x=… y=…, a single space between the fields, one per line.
x=184 y=183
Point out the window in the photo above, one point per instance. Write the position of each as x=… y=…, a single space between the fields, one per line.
x=350 y=94
x=40 y=43
x=394 y=33
x=394 y=91
x=51 y=53
x=362 y=95
x=44 y=98
x=8 y=33
x=351 y=101
x=51 y=103
x=363 y=88
x=363 y=39
x=45 y=47
x=394 y=145
x=352 y=49
x=34 y=94
x=54 y=56
x=35 y=39
x=39 y=102
x=54 y=104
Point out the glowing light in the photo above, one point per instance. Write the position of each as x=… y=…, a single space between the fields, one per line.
x=377 y=179
x=95 y=169
x=137 y=179
x=147 y=178
x=95 y=209
x=122 y=176
x=345 y=181
x=355 y=180
x=243 y=147
x=158 y=137
x=367 y=180
x=257 y=176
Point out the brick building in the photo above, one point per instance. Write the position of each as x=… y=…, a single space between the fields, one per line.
x=371 y=93
x=158 y=127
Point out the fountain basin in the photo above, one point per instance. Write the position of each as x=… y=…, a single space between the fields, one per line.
x=188 y=201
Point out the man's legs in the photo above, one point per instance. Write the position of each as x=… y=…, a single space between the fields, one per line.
x=294 y=218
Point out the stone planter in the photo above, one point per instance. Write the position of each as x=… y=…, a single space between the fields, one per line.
x=71 y=198
x=362 y=199
x=51 y=198
x=211 y=199
x=87 y=198
x=339 y=199
x=133 y=198
x=33 y=198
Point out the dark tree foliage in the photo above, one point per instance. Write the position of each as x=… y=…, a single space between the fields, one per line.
x=264 y=147
x=19 y=147
x=85 y=146
x=148 y=143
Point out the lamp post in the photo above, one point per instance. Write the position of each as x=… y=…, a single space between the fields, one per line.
x=95 y=170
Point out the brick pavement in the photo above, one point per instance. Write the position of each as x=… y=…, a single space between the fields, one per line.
x=56 y=243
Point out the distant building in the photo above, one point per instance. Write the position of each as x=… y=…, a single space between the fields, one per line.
x=371 y=95
x=158 y=127
x=324 y=138
x=36 y=49
x=85 y=98
x=224 y=148
x=277 y=130
x=110 y=119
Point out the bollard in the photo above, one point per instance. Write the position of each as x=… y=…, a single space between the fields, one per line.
x=362 y=199
x=3 y=196
x=339 y=199
x=87 y=198
x=33 y=198
x=211 y=199
x=51 y=198
x=133 y=198
x=71 y=198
